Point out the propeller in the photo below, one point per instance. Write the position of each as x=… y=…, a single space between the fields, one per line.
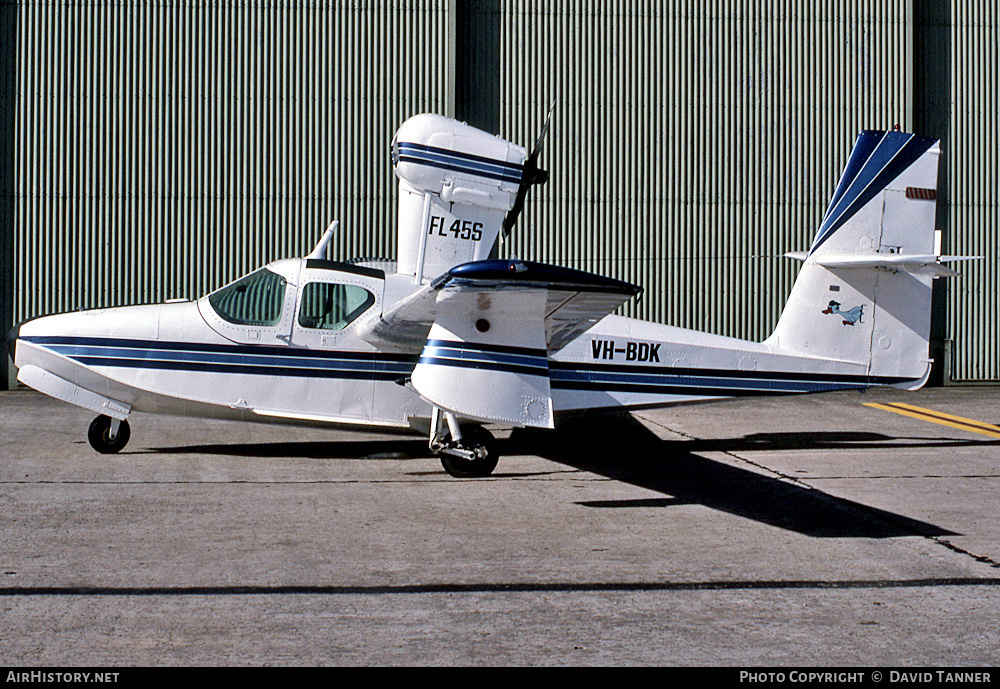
x=530 y=176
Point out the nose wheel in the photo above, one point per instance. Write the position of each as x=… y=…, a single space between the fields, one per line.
x=108 y=435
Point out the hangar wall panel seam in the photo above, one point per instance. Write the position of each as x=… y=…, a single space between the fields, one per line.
x=165 y=148
x=692 y=146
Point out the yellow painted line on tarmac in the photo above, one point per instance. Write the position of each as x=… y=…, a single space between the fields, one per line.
x=939 y=417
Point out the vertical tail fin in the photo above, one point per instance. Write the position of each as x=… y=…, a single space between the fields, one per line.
x=863 y=296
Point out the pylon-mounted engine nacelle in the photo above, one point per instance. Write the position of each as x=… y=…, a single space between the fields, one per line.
x=456 y=185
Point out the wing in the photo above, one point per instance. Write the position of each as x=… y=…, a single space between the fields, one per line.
x=403 y=327
x=574 y=301
x=489 y=331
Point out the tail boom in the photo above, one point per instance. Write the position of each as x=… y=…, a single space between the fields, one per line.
x=623 y=362
x=858 y=315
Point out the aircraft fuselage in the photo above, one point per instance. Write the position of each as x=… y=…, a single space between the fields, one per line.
x=270 y=355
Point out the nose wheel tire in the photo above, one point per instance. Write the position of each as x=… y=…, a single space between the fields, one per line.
x=475 y=457
x=100 y=438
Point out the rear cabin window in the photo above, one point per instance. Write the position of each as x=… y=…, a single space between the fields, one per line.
x=256 y=299
x=329 y=306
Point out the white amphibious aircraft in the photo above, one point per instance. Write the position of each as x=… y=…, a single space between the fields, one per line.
x=445 y=339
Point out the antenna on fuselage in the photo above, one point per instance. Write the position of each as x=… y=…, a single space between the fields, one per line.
x=324 y=241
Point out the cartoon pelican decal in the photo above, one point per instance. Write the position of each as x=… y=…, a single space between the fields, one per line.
x=850 y=316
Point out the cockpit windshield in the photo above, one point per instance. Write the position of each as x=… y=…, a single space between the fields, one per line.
x=256 y=299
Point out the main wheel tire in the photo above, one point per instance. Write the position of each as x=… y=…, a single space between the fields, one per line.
x=483 y=444
x=100 y=439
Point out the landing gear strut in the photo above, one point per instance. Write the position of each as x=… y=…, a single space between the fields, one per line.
x=466 y=450
x=108 y=435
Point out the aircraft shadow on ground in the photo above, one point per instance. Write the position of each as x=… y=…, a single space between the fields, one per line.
x=621 y=448
x=336 y=449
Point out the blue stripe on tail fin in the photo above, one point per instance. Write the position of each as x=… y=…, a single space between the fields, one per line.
x=877 y=159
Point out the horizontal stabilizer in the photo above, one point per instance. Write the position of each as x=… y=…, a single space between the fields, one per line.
x=918 y=264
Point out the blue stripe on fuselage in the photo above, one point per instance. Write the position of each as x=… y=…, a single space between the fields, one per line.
x=237 y=359
x=307 y=363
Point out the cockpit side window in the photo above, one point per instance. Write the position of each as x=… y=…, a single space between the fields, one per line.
x=328 y=306
x=256 y=299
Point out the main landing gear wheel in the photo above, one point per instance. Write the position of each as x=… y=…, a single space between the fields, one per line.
x=474 y=457
x=100 y=436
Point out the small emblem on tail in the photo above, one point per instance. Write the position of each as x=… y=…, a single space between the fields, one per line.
x=851 y=316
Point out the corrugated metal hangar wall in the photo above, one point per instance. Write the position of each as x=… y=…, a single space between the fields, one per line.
x=159 y=150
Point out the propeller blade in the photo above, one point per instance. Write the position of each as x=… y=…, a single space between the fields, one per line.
x=541 y=137
x=531 y=175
